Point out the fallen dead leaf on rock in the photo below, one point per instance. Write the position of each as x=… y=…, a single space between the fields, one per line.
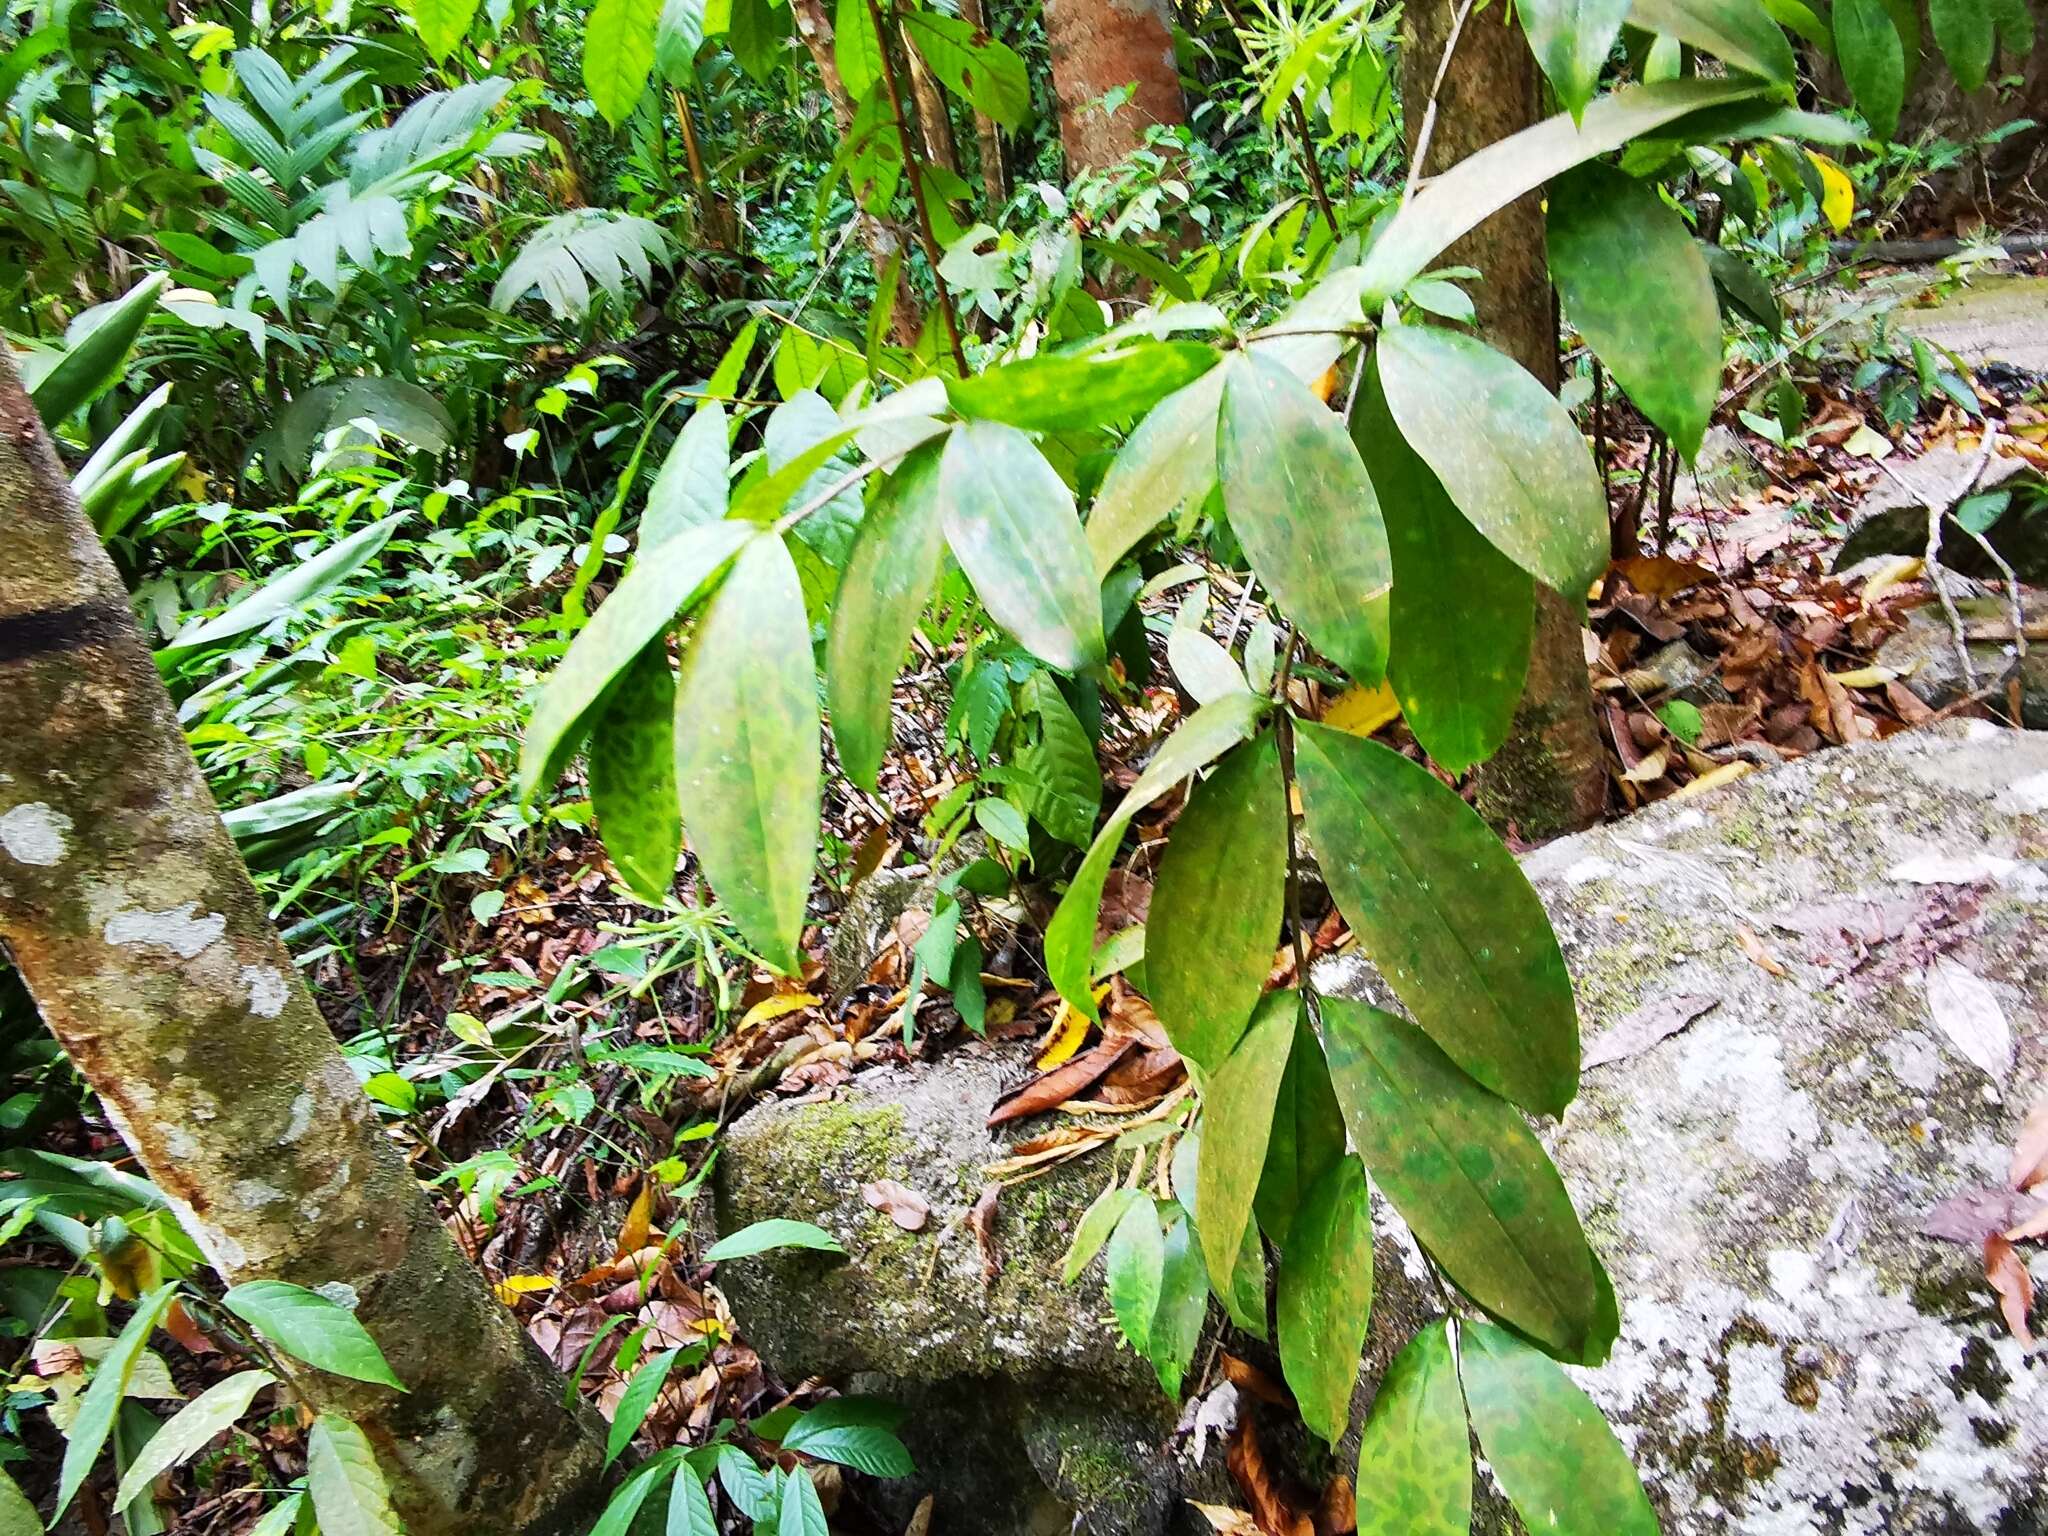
x=2009 y=1277
x=902 y=1205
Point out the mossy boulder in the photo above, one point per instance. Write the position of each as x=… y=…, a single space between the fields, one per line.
x=1795 y=1356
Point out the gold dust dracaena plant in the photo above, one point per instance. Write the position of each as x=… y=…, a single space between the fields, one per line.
x=1402 y=539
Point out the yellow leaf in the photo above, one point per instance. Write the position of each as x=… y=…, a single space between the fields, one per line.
x=1361 y=711
x=512 y=1287
x=1068 y=1030
x=1727 y=773
x=1899 y=569
x=1865 y=677
x=1838 y=194
x=193 y=483
x=639 y=1219
x=775 y=1006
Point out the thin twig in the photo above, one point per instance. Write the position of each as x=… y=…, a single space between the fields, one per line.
x=1428 y=129
x=1937 y=511
x=1311 y=166
x=1284 y=733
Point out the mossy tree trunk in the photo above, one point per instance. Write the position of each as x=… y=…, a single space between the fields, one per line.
x=134 y=923
x=1100 y=46
x=1551 y=775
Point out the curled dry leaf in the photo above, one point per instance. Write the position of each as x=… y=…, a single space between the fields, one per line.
x=1337 y=1510
x=1753 y=947
x=2008 y=1274
x=2030 y=1151
x=1276 y=1511
x=981 y=1220
x=1224 y=1520
x=1054 y=1088
x=1249 y=1379
x=1975 y=1214
x=902 y=1205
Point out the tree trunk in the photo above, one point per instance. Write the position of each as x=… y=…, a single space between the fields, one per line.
x=934 y=122
x=1098 y=46
x=146 y=948
x=884 y=243
x=1551 y=775
x=994 y=181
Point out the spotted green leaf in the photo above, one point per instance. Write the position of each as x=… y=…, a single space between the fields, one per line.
x=1325 y=1298
x=889 y=575
x=1548 y=1446
x=1299 y=501
x=1467 y=1175
x=1062 y=392
x=747 y=756
x=1307 y=1135
x=1462 y=611
x=1011 y=524
x=1215 y=915
x=1237 y=1118
x=1168 y=461
x=1445 y=913
x=1507 y=454
x=1415 y=1459
x=633 y=776
x=1636 y=286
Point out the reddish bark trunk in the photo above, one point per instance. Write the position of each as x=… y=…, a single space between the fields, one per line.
x=1098 y=46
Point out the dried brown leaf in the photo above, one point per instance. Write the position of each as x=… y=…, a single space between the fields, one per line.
x=902 y=1205
x=1054 y=1088
x=2009 y=1277
x=2030 y=1151
x=1658 y=1019
x=1753 y=947
x=1275 y=1510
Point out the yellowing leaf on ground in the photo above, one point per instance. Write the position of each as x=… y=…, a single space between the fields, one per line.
x=1838 y=194
x=512 y=1287
x=639 y=1219
x=1360 y=711
x=1069 y=1029
x=774 y=1006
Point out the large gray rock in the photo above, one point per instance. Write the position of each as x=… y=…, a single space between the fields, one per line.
x=1924 y=652
x=1795 y=1356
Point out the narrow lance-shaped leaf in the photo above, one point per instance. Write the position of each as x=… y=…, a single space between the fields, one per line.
x=1011 y=523
x=691 y=487
x=1070 y=937
x=96 y=359
x=636 y=1401
x=1873 y=61
x=1325 y=1299
x=1307 y=1136
x=1169 y=460
x=1183 y=1305
x=345 y=1483
x=94 y=1420
x=1467 y=1175
x=1637 y=288
x=747 y=754
x=889 y=577
x=1300 y=503
x=1216 y=906
x=1415 y=1459
x=1462 y=611
x=1445 y=913
x=801 y=1514
x=1136 y=1269
x=660 y=585
x=1547 y=1444
x=633 y=776
x=187 y=1432
x=1060 y=392
x=1740 y=33
x=1572 y=39
x=1237 y=1119
x=289 y=590
x=1507 y=454
x=1482 y=184
x=689 y=1507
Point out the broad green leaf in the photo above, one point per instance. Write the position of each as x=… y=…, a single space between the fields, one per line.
x=442 y=24
x=677 y=39
x=857 y=47
x=97 y=359
x=889 y=576
x=1572 y=39
x=1740 y=33
x=801 y=1514
x=766 y=1236
x=288 y=591
x=1010 y=521
x=1243 y=1292
x=1873 y=61
x=633 y=776
x=691 y=487
x=1302 y=507
x=1307 y=1136
x=623 y=1506
x=1747 y=289
x=1325 y=1298
x=1061 y=392
x=1237 y=1118
x=1467 y=1175
x=188 y=1431
x=1097 y=1222
x=1462 y=611
x=747 y=753
x=2015 y=21
x=659 y=586
x=1168 y=460
x=309 y=1327
x=1507 y=454
x=751 y=1490
x=1136 y=1272
x=618 y=54
x=1637 y=288
x=1967 y=33
x=18 y=1515
x=986 y=74
x=94 y=1420
x=1216 y=907
x=635 y=1402
x=1415 y=1459
x=1457 y=201
x=856 y=1432
x=345 y=1483
x=1070 y=937
x=1183 y=1304
x=689 y=1507
x=1445 y=913
x=1053 y=774
x=1550 y=1450
x=794 y=430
